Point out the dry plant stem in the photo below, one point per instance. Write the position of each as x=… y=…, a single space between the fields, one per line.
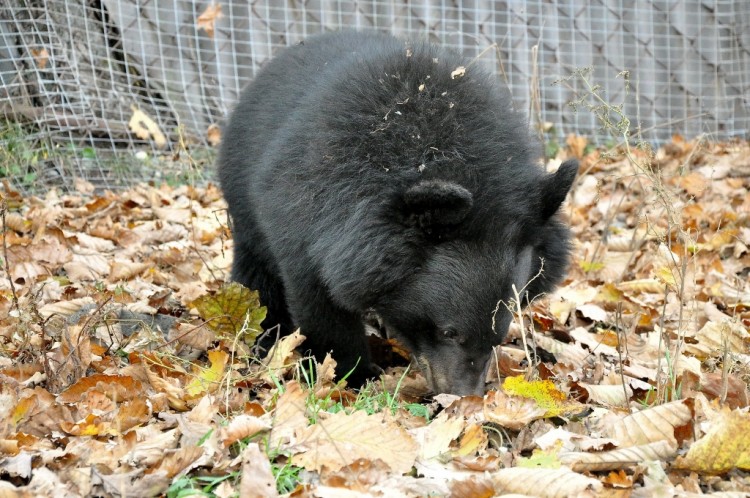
x=518 y=312
x=536 y=98
x=183 y=149
x=186 y=333
x=621 y=340
x=662 y=338
x=479 y=56
x=3 y=210
x=725 y=363
x=680 y=328
x=609 y=217
x=664 y=197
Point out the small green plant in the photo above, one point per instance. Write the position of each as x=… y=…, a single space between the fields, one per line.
x=197 y=485
x=286 y=475
x=19 y=156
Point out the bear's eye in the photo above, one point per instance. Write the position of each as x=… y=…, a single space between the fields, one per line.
x=451 y=334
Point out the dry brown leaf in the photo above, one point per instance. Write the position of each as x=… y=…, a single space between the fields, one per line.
x=242 y=426
x=279 y=359
x=145 y=128
x=115 y=387
x=651 y=425
x=89 y=242
x=360 y=476
x=207 y=19
x=125 y=270
x=644 y=285
x=566 y=299
x=257 y=480
x=620 y=458
x=132 y=413
x=340 y=439
x=151 y=445
x=474 y=487
x=16 y=222
x=83 y=186
x=289 y=417
x=513 y=412
x=570 y=354
x=87 y=267
x=66 y=308
x=693 y=183
x=41 y=56
x=547 y=483
x=172 y=387
x=608 y=395
x=586 y=191
x=577 y=145
x=179 y=460
x=435 y=439
x=714 y=337
x=473 y=440
x=181 y=216
x=213 y=134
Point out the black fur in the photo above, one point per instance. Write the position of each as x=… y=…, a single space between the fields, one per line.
x=360 y=175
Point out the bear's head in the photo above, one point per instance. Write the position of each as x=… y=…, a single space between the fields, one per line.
x=452 y=310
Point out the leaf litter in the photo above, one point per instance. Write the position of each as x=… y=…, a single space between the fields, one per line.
x=129 y=366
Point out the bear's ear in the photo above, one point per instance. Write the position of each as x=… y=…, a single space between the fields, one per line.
x=437 y=205
x=556 y=186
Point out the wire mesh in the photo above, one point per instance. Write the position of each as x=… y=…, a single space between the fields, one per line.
x=75 y=72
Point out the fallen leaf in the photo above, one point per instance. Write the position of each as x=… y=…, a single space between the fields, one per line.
x=145 y=128
x=620 y=458
x=231 y=310
x=207 y=19
x=340 y=439
x=550 y=483
x=513 y=412
x=208 y=379
x=651 y=425
x=724 y=447
x=257 y=479
x=546 y=395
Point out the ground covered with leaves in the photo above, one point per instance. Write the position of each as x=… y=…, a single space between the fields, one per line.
x=127 y=365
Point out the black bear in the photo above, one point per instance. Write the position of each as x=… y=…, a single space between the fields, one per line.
x=368 y=174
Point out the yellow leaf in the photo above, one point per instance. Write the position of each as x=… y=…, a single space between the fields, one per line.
x=665 y=275
x=544 y=392
x=209 y=378
x=589 y=266
x=473 y=440
x=541 y=459
x=725 y=446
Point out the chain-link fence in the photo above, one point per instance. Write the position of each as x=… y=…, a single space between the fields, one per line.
x=109 y=89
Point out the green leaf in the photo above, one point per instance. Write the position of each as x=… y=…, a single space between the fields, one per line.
x=231 y=310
